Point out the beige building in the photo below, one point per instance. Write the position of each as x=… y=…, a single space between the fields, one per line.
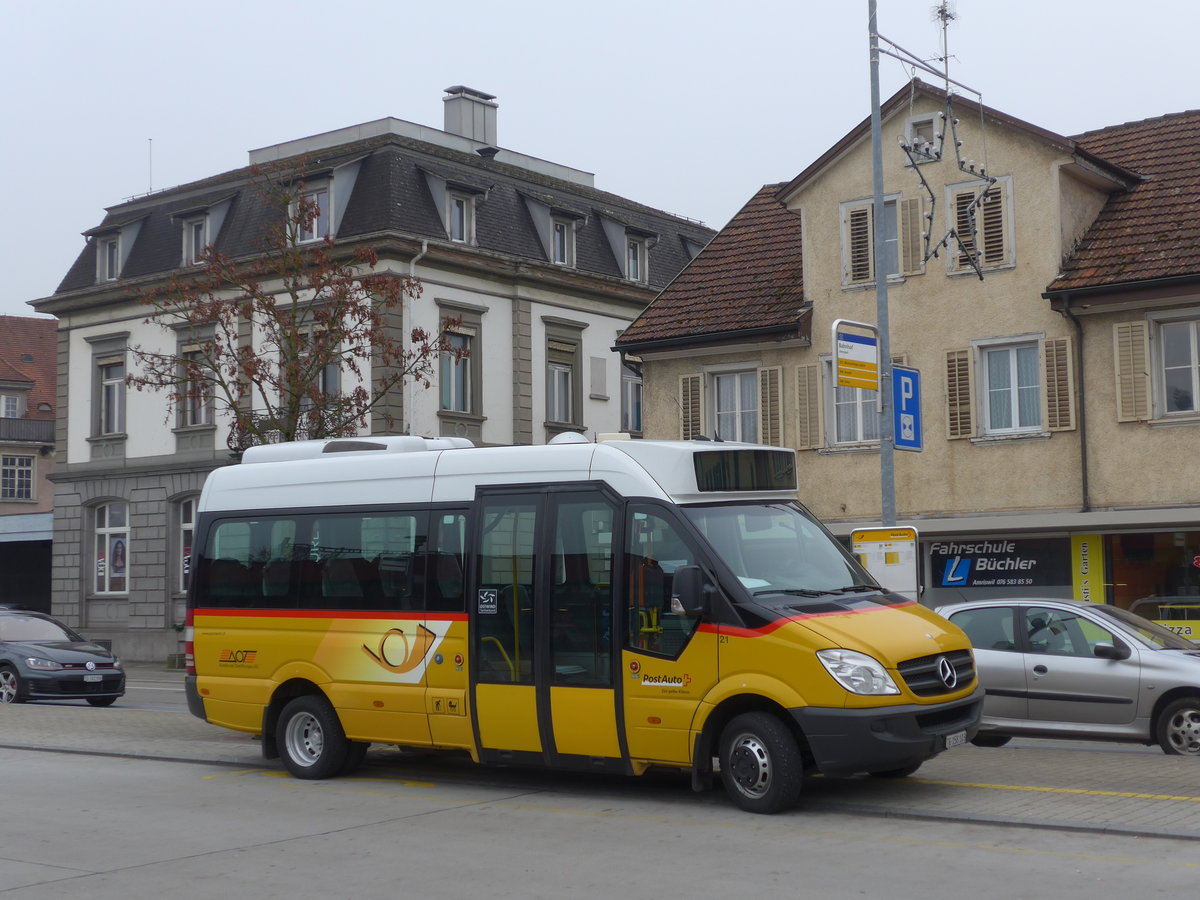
x=1046 y=289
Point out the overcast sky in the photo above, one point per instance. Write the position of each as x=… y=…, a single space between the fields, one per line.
x=686 y=106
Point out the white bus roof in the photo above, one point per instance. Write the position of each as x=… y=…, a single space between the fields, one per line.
x=406 y=469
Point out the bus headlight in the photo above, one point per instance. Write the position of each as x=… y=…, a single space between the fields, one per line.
x=857 y=672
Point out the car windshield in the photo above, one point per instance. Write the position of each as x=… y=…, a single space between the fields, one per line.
x=1151 y=632
x=780 y=550
x=33 y=628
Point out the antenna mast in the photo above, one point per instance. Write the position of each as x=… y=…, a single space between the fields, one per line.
x=945 y=15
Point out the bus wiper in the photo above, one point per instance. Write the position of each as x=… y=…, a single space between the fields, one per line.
x=798 y=592
x=855 y=589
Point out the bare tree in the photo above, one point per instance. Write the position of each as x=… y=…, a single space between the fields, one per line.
x=264 y=338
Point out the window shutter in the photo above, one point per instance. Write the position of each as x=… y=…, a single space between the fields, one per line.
x=912 y=240
x=808 y=393
x=1060 y=385
x=992 y=233
x=859 y=256
x=691 y=406
x=770 y=406
x=958 y=394
x=964 y=228
x=1131 y=343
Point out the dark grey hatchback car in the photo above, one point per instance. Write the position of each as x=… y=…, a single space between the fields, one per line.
x=43 y=659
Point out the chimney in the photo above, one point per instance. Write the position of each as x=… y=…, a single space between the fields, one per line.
x=471 y=114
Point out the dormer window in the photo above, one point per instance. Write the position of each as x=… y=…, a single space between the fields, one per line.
x=10 y=406
x=315 y=226
x=921 y=135
x=563 y=242
x=110 y=258
x=635 y=259
x=461 y=218
x=195 y=239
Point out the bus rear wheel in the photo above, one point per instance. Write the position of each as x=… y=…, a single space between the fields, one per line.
x=310 y=739
x=761 y=765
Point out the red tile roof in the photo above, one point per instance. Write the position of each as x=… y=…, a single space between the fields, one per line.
x=29 y=352
x=1153 y=230
x=750 y=276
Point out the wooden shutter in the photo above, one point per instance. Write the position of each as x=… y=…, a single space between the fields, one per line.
x=770 y=406
x=958 y=394
x=964 y=227
x=1060 y=385
x=859 y=257
x=1131 y=344
x=691 y=406
x=808 y=421
x=993 y=235
x=912 y=238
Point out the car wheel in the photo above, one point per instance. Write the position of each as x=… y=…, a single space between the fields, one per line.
x=1178 y=729
x=902 y=772
x=10 y=686
x=102 y=701
x=990 y=740
x=310 y=739
x=761 y=765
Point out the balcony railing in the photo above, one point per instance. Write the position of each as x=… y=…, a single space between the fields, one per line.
x=39 y=430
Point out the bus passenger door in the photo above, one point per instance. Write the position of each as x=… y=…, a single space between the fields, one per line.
x=670 y=659
x=541 y=616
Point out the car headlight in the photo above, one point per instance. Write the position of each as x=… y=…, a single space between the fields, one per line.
x=43 y=665
x=857 y=672
x=116 y=663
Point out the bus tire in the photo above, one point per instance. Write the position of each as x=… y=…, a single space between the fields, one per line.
x=354 y=757
x=310 y=739
x=761 y=765
x=988 y=739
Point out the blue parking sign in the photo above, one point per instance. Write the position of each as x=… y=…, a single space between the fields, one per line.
x=906 y=408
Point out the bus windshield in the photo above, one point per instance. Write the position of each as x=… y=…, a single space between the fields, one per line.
x=778 y=549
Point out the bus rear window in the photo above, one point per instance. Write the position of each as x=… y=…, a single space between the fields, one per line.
x=745 y=470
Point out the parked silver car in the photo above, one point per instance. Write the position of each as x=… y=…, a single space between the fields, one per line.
x=1066 y=669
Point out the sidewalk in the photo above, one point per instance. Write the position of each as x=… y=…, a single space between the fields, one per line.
x=1108 y=788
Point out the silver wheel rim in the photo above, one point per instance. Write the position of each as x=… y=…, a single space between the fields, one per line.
x=305 y=739
x=750 y=765
x=8 y=687
x=1183 y=731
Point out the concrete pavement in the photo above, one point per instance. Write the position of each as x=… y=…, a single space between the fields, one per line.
x=1098 y=787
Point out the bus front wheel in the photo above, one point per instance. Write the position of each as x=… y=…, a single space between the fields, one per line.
x=310 y=739
x=761 y=765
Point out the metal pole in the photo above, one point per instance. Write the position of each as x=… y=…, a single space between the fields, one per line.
x=887 y=471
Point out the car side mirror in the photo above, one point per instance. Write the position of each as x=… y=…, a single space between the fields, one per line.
x=689 y=591
x=1105 y=650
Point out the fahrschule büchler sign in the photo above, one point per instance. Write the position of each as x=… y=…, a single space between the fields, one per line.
x=1001 y=562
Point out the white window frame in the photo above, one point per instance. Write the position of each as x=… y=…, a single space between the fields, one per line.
x=562 y=242
x=110 y=409
x=1001 y=260
x=186 y=533
x=921 y=133
x=857 y=408
x=746 y=429
x=10 y=406
x=107 y=534
x=108 y=258
x=195 y=239
x=17 y=472
x=322 y=195
x=560 y=393
x=636 y=259
x=195 y=411
x=1190 y=321
x=456 y=390
x=460 y=217
x=632 y=393
x=1010 y=347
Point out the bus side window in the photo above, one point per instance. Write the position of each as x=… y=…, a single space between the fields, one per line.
x=655 y=550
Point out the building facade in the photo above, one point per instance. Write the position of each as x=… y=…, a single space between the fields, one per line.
x=1044 y=288
x=540 y=269
x=27 y=369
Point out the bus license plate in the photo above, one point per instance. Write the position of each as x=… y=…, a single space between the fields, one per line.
x=953 y=740
x=91 y=678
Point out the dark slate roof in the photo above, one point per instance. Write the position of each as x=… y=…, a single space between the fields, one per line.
x=751 y=276
x=391 y=195
x=1151 y=231
x=29 y=353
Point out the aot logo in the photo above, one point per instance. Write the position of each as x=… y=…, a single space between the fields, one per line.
x=239 y=657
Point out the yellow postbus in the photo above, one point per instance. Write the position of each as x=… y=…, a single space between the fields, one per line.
x=610 y=606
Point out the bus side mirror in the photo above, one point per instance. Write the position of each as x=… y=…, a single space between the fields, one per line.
x=1106 y=650
x=689 y=591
